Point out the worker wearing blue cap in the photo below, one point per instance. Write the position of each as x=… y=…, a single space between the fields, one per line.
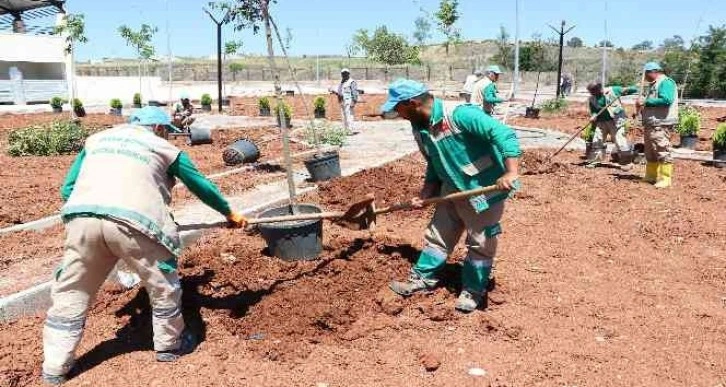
x=660 y=114
x=465 y=149
x=117 y=196
x=485 y=90
x=183 y=112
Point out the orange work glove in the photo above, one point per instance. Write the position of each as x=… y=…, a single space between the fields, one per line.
x=236 y=220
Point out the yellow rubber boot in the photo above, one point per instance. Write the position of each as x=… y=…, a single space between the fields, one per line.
x=651 y=172
x=665 y=173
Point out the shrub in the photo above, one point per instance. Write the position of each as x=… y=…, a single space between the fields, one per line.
x=77 y=104
x=56 y=102
x=319 y=103
x=555 y=105
x=689 y=121
x=57 y=138
x=116 y=104
x=589 y=133
x=719 y=137
x=137 y=99
x=327 y=133
x=264 y=103
x=286 y=110
x=206 y=100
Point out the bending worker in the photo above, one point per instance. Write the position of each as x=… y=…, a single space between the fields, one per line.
x=116 y=195
x=465 y=149
x=183 y=112
x=660 y=115
x=485 y=91
x=611 y=122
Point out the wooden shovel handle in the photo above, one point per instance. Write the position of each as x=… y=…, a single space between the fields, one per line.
x=440 y=199
x=272 y=219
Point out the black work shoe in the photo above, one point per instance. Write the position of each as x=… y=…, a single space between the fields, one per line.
x=188 y=344
x=54 y=380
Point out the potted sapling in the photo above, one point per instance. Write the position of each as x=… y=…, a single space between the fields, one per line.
x=264 y=104
x=588 y=135
x=78 y=108
x=57 y=104
x=137 y=100
x=286 y=112
x=206 y=102
x=319 y=106
x=719 y=146
x=116 y=107
x=689 y=124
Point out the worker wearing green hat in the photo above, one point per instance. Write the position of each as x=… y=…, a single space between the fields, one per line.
x=465 y=149
x=659 y=113
x=485 y=90
x=117 y=194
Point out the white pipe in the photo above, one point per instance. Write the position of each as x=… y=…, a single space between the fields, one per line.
x=515 y=81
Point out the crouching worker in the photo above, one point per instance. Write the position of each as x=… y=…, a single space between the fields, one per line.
x=610 y=122
x=465 y=149
x=116 y=195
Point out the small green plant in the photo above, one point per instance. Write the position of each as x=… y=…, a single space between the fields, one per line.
x=264 y=103
x=77 y=104
x=689 y=121
x=286 y=110
x=57 y=138
x=319 y=103
x=206 y=100
x=326 y=132
x=137 y=99
x=56 y=102
x=719 y=137
x=555 y=105
x=589 y=133
x=116 y=104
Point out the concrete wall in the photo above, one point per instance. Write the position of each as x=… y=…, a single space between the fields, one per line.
x=31 y=48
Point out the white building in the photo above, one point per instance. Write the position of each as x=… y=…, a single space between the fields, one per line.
x=34 y=66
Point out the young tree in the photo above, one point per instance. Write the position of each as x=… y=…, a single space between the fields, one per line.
x=447 y=16
x=605 y=43
x=645 y=45
x=73 y=27
x=141 y=42
x=504 y=49
x=422 y=33
x=232 y=48
x=386 y=47
x=709 y=74
x=575 y=42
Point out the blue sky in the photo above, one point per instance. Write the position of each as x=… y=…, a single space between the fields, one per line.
x=325 y=26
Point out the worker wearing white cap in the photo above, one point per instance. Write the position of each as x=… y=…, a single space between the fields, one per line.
x=471 y=80
x=485 y=91
x=347 y=96
x=117 y=194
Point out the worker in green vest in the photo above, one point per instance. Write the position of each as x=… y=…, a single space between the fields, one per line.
x=465 y=149
x=117 y=194
x=609 y=122
x=485 y=90
x=659 y=113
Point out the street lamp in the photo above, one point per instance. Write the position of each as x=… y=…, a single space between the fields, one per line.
x=219 y=21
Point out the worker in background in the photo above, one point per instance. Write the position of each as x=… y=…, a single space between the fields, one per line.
x=659 y=112
x=566 y=82
x=347 y=97
x=465 y=149
x=117 y=194
x=471 y=80
x=610 y=123
x=485 y=90
x=183 y=112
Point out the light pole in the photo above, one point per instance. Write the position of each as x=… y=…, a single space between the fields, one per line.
x=605 y=49
x=168 y=53
x=515 y=84
x=219 y=23
x=562 y=34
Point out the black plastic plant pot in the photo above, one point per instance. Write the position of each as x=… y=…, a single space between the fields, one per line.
x=592 y=150
x=319 y=113
x=240 y=152
x=80 y=112
x=137 y=105
x=199 y=136
x=689 y=142
x=531 y=112
x=293 y=241
x=225 y=101
x=207 y=108
x=116 y=111
x=154 y=103
x=288 y=122
x=57 y=109
x=719 y=158
x=323 y=166
x=290 y=92
x=265 y=112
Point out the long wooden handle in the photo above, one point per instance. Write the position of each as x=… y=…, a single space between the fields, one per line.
x=272 y=219
x=440 y=199
x=574 y=136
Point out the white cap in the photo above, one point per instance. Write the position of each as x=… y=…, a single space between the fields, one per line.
x=345 y=70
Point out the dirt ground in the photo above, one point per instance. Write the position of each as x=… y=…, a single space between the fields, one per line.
x=369 y=104
x=601 y=280
x=577 y=115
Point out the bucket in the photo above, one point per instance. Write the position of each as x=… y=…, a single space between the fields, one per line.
x=324 y=166
x=241 y=151
x=293 y=241
x=199 y=136
x=719 y=158
x=531 y=112
x=594 y=152
x=688 y=142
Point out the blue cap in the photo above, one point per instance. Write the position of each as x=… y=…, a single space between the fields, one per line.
x=652 y=66
x=494 y=69
x=402 y=90
x=184 y=95
x=151 y=115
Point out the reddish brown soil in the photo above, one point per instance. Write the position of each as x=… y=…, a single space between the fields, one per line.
x=577 y=115
x=368 y=106
x=601 y=280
